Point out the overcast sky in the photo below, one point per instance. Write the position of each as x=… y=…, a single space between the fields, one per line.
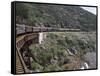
x=90 y=9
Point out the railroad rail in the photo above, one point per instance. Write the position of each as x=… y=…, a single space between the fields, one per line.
x=20 y=64
x=26 y=33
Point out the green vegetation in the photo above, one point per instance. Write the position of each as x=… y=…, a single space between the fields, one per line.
x=60 y=50
x=55 y=16
x=53 y=53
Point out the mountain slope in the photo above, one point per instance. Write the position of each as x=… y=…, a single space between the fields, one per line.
x=55 y=16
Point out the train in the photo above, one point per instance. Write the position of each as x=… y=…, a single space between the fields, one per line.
x=21 y=29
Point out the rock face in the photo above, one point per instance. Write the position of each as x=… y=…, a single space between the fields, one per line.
x=84 y=65
x=91 y=59
x=53 y=61
x=40 y=38
x=72 y=51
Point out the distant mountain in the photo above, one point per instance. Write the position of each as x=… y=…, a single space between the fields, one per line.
x=59 y=16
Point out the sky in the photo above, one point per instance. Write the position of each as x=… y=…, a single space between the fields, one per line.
x=90 y=9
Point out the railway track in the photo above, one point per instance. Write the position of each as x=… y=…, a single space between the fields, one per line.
x=26 y=33
x=19 y=66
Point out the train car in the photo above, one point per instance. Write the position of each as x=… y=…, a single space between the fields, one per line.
x=28 y=29
x=20 y=30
